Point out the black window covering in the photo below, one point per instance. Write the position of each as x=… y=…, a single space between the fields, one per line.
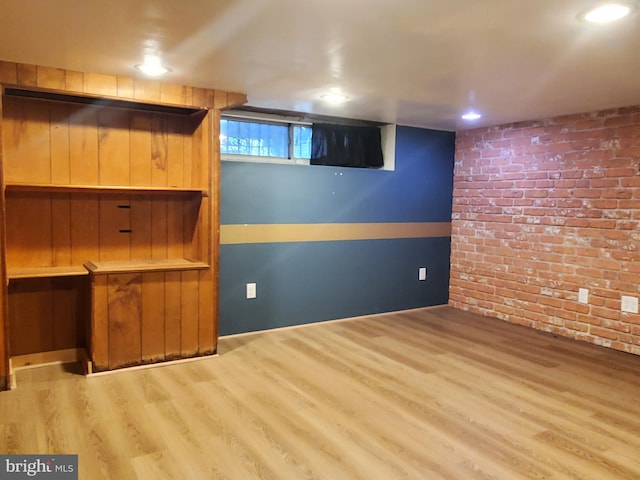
x=346 y=146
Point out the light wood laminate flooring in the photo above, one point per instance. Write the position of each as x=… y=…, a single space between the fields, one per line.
x=431 y=394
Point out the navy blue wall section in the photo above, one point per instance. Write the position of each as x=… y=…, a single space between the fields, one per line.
x=313 y=281
x=419 y=190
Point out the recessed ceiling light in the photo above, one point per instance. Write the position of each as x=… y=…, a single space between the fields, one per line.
x=471 y=116
x=607 y=12
x=152 y=66
x=334 y=97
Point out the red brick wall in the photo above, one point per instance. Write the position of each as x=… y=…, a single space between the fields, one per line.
x=543 y=208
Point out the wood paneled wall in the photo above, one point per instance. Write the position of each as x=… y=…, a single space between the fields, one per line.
x=79 y=144
x=115 y=86
x=61 y=143
x=59 y=229
x=151 y=317
x=47 y=314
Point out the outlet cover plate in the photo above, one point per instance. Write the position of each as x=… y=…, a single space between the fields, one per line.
x=583 y=295
x=422 y=273
x=629 y=304
x=251 y=290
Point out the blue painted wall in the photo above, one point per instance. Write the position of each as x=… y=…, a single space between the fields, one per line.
x=314 y=281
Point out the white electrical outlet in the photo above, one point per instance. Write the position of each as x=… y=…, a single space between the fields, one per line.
x=251 y=290
x=629 y=304
x=583 y=295
x=422 y=273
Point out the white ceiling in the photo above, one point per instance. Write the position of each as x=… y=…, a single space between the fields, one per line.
x=414 y=62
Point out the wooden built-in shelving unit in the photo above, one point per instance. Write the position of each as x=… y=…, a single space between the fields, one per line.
x=110 y=225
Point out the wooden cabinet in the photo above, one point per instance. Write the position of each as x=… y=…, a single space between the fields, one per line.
x=111 y=225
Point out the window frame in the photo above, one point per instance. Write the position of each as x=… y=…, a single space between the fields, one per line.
x=387 y=131
x=268 y=119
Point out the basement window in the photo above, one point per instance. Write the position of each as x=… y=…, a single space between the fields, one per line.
x=264 y=139
x=256 y=136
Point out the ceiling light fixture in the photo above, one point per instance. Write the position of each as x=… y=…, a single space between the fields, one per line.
x=607 y=12
x=152 y=66
x=470 y=116
x=334 y=97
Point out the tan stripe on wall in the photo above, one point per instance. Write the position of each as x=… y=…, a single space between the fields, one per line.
x=319 y=232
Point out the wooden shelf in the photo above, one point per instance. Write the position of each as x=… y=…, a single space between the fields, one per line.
x=102 y=101
x=46 y=272
x=45 y=187
x=137 y=266
x=106 y=267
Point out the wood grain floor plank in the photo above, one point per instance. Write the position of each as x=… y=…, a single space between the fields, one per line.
x=434 y=394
